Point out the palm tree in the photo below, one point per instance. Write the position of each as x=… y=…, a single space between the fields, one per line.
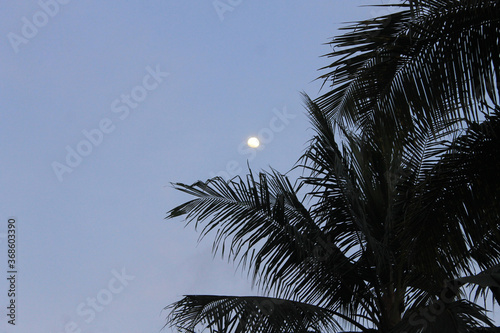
x=374 y=247
x=401 y=205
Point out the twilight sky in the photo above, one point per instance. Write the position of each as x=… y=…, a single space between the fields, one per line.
x=104 y=103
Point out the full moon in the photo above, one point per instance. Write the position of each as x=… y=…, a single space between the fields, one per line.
x=253 y=142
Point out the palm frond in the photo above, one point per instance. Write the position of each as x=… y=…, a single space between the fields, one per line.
x=446 y=316
x=233 y=314
x=455 y=214
x=440 y=59
x=273 y=233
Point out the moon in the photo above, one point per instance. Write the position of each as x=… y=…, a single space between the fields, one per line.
x=253 y=142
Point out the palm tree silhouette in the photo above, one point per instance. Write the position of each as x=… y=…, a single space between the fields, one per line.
x=401 y=183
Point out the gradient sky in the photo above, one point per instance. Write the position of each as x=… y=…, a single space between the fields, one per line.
x=93 y=227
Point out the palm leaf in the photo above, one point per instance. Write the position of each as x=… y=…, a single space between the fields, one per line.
x=253 y=314
x=441 y=58
x=489 y=278
x=457 y=203
x=275 y=235
x=446 y=316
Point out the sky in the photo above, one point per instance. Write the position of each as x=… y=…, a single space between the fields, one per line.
x=104 y=104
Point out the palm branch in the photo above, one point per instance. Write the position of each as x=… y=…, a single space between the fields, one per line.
x=253 y=314
x=437 y=57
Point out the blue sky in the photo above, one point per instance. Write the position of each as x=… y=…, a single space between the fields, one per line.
x=146 y=93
